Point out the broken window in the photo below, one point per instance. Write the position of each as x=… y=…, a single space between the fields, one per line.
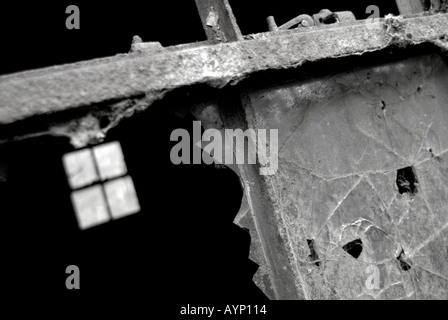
x=101 y=189
x=353 y=248
x=407 y=181
x=402 y=260
x=313 y=255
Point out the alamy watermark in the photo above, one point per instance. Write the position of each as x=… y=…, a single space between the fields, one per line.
x=227 y=146
x=72 y=21
x=72 y=281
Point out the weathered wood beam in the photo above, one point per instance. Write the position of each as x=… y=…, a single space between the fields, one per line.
x=149 y=77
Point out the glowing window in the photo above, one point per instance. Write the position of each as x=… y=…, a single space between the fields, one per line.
x=102 y=190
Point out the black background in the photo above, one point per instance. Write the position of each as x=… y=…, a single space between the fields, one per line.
x=182 y=247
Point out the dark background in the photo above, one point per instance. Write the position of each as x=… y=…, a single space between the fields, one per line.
x=182 y=247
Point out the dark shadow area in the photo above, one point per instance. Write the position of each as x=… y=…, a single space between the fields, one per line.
x=181 y=248
x=34 y=34
x=251 y=14
x=403 y=264
x=407 y=181
x=313 y=255
x=353 y=248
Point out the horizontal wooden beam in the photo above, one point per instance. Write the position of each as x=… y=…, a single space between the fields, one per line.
x=67 y=87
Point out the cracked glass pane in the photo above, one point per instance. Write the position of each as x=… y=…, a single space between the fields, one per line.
x=90 y=207
x=110 y=160
x=362 y=160
x=121 y=197
x=80 y=168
